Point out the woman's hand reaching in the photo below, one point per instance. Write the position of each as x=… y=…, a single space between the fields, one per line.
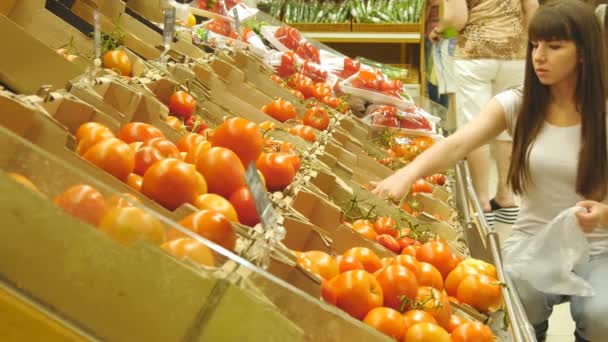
x=595 y=214
x=394 y=187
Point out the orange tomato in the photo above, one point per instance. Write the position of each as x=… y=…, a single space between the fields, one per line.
x=182 y=104
x=413 y=317
x=387 y=321
x=303 y=131
x=117 y=60
x=436 y=303
x=277 y=169
x=174 y=123
x=452 y=281
x=308 y=265
x=426 y=332
x=218 y=204
x=429 y=276
x=317 y=117
x=222 y=170
x=243 y=203
x=211 y=225
x=112 y=156
x=135 y=181
x=89 y=134
x=386 y=261
x=122 y=200
x=280 y=109
x=164 y=146
x=267 y=125
x=357 y=292
x=326 y=265
x=197 y=151
x=410 y=250
x=189 y=141
x=190 y=249
x=409 y=262
x=397 y=282
x=129 y=224
x=482 y=266
x=83 y=202
x=298 y=94
x=365 y=228
x=481 y=292
x=386 y=225
x=367 y=257
x=437 y=254
x=241 y=136
x=138 y=131
x=21 y=179
x=172 y=182
x=455 y=322
x=472 y=332
x=348 y=263
x=146 y=157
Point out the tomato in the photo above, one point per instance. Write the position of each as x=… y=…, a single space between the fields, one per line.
x=182 y=104
x=406 y=241
x=309 y=52
x=297 y=94
x=482 y=266
x=294 y=160
x=397 y=281
x=197 y=151
x=413 y=317
x=452 y=281
x=243 y=203
x=387 y=321
x=287 y=67
x=146 y=157
x=369 y=79
x=317 y=117
x=220 y=27
x=455 y=322
x=350 y=68
x=218 y=204
x=430 y=276
x=326 y=265
x=118 y=61
x=472 y=332
x=134 y=181
x=122 y=200
x=357 y=292
x=129 y=224
x=21 y=179
x=189 y=141
x=222 y=170
x=436 y=303
x=365 y=228
x=280 y=109
x=89 y=134
x=385 y=120
x=386 y=225
x=83 y=202
x=426 y=332
x=174 y=123
x=389 y=243
x=190 y=249
x=348 y=263
x=387 y=261
x=314 y=71
x=211 y=225
x=308 y=265
x=367 y=257
x=437 y=254
x=277 y=170
x=421 y=186
x=138 y=131
x=321 y=90
x=112 y=156
x=410 y=250
x=172 y=182
x=409 y=262
x=305 y=85
x=438 y=179
x=481 y=292
x=288 y=36
x=304 y=132
x=242 y=136
x=277 y=79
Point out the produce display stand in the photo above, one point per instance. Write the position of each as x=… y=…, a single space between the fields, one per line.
x=70 y=281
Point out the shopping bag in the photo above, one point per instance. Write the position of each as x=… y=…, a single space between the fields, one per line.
x=546 y=260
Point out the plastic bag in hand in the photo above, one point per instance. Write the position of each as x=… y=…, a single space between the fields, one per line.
x=546 y=260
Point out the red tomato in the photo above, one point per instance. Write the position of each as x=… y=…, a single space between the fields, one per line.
x=211 y=225
x=288 y=36
x=472 y=332
x=172 y=182
x=304 y=132
x=397 y=281
x=144 y=158
x=437 y=254
x=309 y=52
x=321 y=90
x=317 y=117
x=182 y=104
x=314 y=71
x=325 y=264
x=220 y=27
x=118 y=61
x=386 y=225
x=305 y=85
x=436 y=303
x=243 y=137
x=277 y=170
x=287 y=67
x=138 y=131
x=387 y=321
x=357 y=292
x=217 y=204
x=389 y=242
x=455 y=322
x=426 y=332
x=243 y=203
x=351 y=67
x=280 y=109
x=83 y=202
x=129 y=224
x=190 y=249
x=367 y=257
x=481 y=292
x=89 y=134
x=113 y=156
x=222 y=170
x=430 y=276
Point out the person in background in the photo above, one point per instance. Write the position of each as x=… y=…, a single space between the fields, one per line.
x=432 y=20
x=489 y=59
x=560 y=153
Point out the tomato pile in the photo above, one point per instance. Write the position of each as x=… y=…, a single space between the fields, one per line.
x=392 y=117
x=376 y=81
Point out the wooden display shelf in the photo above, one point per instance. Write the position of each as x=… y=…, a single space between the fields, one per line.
x=366 y=27
x=322 y=27
x=365 y=37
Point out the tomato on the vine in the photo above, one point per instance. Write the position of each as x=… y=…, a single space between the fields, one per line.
x=396 y=282
x=182 y=104
x=309 y=52
x=288 y=36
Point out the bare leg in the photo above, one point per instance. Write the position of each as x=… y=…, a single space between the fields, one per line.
x=479 y=165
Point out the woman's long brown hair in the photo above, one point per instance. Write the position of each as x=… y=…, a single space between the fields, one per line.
x=575 y=21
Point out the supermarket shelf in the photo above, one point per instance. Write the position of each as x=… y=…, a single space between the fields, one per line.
x=365 y=37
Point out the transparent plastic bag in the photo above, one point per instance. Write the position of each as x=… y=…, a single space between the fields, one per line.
x=546 y=260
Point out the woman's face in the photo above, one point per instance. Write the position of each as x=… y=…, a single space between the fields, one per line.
x=554 y=61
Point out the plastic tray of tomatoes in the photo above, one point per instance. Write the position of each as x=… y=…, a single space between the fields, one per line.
x=411 y=121
x=219 y=33
x=374 y=87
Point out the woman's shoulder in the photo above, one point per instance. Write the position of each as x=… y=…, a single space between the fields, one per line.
x=511 y=99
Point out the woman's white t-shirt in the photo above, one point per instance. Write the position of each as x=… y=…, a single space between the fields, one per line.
x=553 y=168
